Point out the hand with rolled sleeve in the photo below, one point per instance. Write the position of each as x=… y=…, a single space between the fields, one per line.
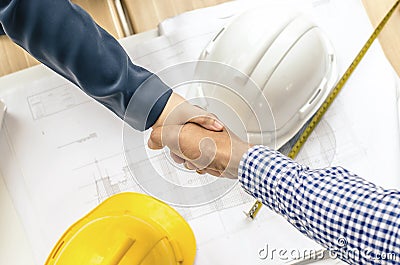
x=356 y=219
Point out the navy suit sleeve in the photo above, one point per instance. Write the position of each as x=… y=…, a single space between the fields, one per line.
x=64 y=37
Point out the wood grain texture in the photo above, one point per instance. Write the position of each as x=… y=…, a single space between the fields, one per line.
x=102 y=14
x=147 y=14
x=13 y=58
x=390 y=35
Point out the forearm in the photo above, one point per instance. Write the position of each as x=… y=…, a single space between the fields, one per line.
x=65 y=38
x=326 y=204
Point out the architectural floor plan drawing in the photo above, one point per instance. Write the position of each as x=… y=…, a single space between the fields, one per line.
x=62 y=153
x=54 y=100
x=111 y=175
x=320 y=148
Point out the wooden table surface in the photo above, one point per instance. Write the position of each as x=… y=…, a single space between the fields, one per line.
x=390 y=35
x=13 y=58
x=146 y=14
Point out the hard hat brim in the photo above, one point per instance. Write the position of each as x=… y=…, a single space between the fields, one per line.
x=143 y=207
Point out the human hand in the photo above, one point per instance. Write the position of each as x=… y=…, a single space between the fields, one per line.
x=216 y=153
x=178 y=111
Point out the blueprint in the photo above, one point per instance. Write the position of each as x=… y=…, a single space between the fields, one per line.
x=62 y=153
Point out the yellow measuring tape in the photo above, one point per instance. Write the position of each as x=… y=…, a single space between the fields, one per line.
x=331 y=97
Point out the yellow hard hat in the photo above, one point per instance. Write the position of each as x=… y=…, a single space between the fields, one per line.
x=127 y=228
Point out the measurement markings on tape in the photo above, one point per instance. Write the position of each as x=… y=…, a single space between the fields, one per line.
x=331 y=97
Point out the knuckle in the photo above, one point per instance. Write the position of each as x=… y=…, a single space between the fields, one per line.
x=155 y=136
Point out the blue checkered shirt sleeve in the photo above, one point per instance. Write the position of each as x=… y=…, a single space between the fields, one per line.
x=355 y=219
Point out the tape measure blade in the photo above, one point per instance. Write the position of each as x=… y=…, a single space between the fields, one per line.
x=335 y=91
x=342 y=81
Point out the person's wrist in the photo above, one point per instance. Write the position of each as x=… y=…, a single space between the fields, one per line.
x=237 y=152
x=173 y=101
x=178 y=111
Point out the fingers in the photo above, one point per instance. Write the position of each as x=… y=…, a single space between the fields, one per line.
x=165 y=136
x=155 y=140
x=208 y=122
x=178 y=111
x=201 y=171
x=215 y=153
x=197 y=150
x=208 y=150
x=189 y=165
x=177 y=158
x=184 y=141
x=213 y=172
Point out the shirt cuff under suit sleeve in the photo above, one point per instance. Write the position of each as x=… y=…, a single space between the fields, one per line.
x=357 y=220
x=64 y=37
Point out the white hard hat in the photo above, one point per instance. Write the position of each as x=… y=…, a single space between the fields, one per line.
x=291 y=61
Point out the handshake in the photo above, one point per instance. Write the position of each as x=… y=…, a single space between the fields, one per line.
x=197 y=139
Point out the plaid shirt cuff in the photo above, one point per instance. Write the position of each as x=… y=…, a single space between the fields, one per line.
x=354 y=218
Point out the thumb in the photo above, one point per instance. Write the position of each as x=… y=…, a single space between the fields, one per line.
x=180 y=111
x=208 y=122
x=206 y=119
x=155 y=140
